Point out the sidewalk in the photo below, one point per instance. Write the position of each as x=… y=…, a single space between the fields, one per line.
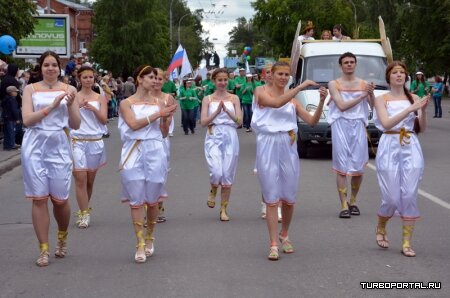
x=9 y=160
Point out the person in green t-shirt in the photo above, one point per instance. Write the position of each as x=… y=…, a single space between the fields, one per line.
x=231 y=88
x=187 y=99
x=208 y=85
x=420 y=86
x=247 y=99
x=238 y=82
x=257 y=81
x=200 y=94
x=169 y=86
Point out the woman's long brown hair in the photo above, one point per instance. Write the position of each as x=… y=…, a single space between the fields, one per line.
x=407 y=93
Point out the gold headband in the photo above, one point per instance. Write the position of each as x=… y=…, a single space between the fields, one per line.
x=397 y=67
x=142 y=70
x=84 y=70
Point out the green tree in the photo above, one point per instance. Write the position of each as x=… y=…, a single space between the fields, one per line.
x=280 y=17
x=418 y=30
x=130 y=33
x=16 y=18
x=246 y=34
x=191 y=30
x=425 y=42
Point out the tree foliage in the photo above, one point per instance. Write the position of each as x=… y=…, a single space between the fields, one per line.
x=191 y=29
x=418 y=30
x=246 y=34
x=129 y=34
x=16 y=18
x=134 y=32
x=280 y=18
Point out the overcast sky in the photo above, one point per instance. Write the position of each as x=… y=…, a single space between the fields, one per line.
x=220 y=18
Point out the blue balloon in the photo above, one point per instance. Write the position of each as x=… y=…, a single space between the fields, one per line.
x=7 y=44
x=249 y=49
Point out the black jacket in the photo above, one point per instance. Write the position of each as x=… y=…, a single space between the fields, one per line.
x=10 y=108
x=10 y=80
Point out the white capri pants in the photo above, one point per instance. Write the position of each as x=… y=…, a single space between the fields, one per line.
x=88 y=153
x=399 y=172
x=144 y=172
x=277 y=167
x=46 y=164
x=349 y=146
x=222 y=152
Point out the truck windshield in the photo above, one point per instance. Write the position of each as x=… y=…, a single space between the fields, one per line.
x=323 y=69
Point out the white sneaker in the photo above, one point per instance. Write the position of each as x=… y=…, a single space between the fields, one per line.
x=263 y=210
x=280 y=217
x=170 y=134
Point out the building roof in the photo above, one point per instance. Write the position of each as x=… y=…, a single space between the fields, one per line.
x=73 y=5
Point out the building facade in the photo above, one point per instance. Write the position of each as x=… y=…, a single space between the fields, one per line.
x=81 y=28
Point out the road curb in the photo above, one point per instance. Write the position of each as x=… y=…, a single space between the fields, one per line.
x=10 y=163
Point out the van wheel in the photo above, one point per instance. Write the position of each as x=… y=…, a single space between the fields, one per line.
x=302 y=148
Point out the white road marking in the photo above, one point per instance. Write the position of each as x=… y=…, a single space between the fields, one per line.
x=421 y=192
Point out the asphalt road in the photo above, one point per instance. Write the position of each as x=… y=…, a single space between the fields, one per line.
x=199 y=256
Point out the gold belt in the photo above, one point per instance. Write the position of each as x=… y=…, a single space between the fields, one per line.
x=210 y=129
x=135 y=145
x=293 y=136
x=86 y=140
x=404 y=135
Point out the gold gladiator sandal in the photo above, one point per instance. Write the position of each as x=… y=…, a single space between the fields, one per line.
x=286 y=244
x=345 y=212
x=223 y=211
x=145 y=216
x=61 y=245
x=149 y=246
x=42 y=261
x=354 y=210
x=140 y=256
x=407 y=251
x=84 y=218
x=161 y=217
x=212 y=197
x=382 y=241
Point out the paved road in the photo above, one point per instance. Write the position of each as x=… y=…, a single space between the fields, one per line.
x=199 y=256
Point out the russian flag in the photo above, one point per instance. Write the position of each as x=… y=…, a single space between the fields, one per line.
x=177 y=59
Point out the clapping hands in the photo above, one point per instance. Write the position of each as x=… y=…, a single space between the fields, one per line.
x=323 y=93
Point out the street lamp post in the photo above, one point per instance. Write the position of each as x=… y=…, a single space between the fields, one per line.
x=170 y=25
x=179 y=23
x=355 y=32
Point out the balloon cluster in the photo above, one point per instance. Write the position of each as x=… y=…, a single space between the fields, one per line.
x=7 y=44
x=246 y=53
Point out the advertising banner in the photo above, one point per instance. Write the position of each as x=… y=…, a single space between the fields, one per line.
x=51 y=32
x=261 y=62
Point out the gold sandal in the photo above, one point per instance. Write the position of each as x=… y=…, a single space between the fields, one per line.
x=384 y=242
x=211 y=202
x=149 y=237
x=223 y=211
x=407 y=251
x=42 y=261
x=61 y=245
x=139 y=256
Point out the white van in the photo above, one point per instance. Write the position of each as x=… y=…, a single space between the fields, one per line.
x=319 y=61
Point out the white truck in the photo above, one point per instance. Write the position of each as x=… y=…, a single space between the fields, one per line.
x=317 y=60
